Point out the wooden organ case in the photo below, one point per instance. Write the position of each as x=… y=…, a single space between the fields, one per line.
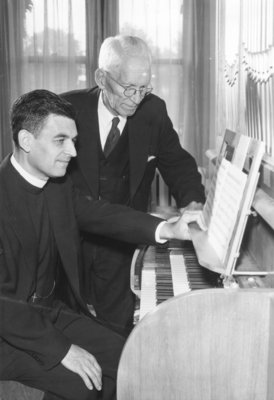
x=216 y=342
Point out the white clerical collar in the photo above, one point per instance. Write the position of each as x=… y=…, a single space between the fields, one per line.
x=40 y=183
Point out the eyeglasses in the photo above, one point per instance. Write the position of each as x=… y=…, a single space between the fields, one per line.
x=130 y=91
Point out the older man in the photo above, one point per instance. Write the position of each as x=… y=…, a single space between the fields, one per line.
x=122 y=110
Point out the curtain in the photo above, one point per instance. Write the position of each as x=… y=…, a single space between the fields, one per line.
x=37 y=51
x=5 y=140
x=179 y=33
x=50 y=44
x=54 y=46
x=159 y=23
x=12 y=15
x=198 y=99
x=102 y=18
x=62 y=41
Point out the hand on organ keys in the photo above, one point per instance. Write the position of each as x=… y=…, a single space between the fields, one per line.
x=195 y=216
x=193 y=212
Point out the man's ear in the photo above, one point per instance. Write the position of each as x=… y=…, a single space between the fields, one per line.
x=100 y=78
x=25 y=139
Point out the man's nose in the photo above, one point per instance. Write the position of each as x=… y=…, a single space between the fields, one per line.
x=137 y=97
x=70 y=149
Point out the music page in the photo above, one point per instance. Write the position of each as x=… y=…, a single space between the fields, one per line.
x=223 y=204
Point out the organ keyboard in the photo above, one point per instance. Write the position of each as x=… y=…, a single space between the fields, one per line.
x=161 y=272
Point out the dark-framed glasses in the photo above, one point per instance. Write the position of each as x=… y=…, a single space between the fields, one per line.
x=130 y=91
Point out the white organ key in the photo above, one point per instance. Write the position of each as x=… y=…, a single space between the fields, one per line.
x=148 y=294
x=179 y=274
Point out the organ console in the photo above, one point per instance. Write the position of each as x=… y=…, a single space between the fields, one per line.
x=220 y=257
x=216 y=342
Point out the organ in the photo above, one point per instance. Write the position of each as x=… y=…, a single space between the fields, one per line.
x=161 y=272
x=204 y=329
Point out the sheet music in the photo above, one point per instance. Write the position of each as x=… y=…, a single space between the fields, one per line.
x=222 y=205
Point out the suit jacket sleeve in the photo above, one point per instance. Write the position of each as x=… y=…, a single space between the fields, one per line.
x=177 y=166
x=113 y=220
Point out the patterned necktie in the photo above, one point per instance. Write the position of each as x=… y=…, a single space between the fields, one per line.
x=113 y=137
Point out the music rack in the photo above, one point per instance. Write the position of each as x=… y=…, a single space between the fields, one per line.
x=238 y=164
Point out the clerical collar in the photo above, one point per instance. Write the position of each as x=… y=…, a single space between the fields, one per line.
x=27 y=176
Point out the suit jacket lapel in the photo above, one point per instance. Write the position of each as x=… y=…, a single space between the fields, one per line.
x=89 y=161
x=139 y=138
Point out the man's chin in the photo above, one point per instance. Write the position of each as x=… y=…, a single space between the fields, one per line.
x=58 y=174
x=129 y=112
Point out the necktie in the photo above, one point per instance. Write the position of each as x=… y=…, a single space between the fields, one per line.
x=113 y=137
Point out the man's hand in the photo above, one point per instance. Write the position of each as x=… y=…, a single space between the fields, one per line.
x=85 y=365
x=192 y=206
x=177 y=227
x=174 y=228
x=193 y=212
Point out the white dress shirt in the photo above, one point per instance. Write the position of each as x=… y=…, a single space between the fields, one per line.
x=105 y=118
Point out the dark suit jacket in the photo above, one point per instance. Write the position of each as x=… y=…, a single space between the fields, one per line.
x=21 y=325
x=151 y=137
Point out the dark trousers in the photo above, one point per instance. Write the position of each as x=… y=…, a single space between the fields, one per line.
x=59 y=382
x=107 y=282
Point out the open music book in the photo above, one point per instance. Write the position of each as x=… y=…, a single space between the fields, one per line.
x=228 y=203
x=222 y=206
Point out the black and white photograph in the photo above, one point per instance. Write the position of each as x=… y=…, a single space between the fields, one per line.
x=136 y=199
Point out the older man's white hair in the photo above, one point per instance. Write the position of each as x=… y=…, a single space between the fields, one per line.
x=116 y=49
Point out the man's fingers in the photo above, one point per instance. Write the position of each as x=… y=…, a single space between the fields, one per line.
x=86 y=380
x=194 y=216
x=85 y=365
x=95 y=374
x=91 y=375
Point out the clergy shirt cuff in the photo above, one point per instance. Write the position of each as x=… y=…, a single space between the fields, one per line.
x=157 y=233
